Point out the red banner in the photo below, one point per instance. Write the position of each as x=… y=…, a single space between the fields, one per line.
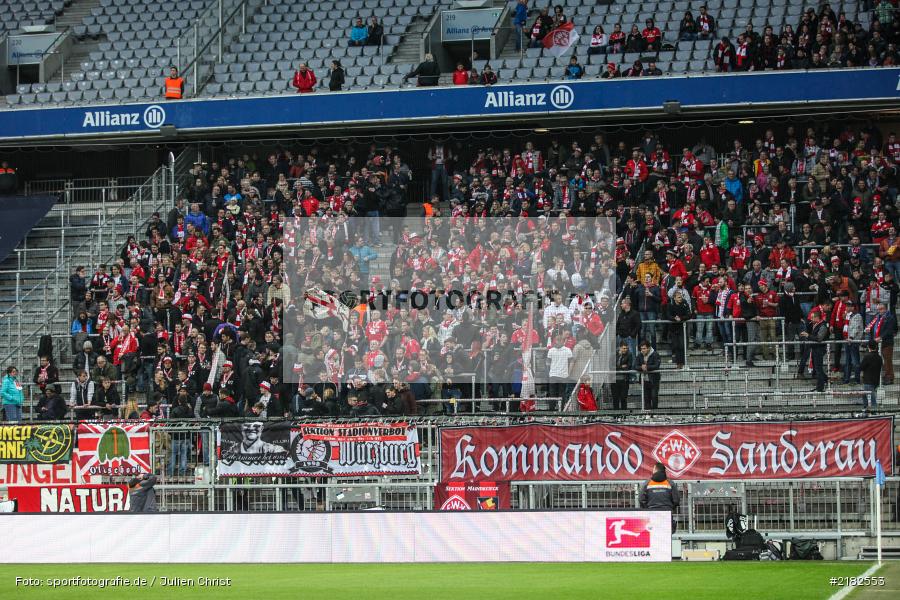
x=70 y=498
x=608 y=451
x=472 y=495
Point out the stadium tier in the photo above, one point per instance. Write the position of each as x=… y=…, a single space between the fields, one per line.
x=122 y=50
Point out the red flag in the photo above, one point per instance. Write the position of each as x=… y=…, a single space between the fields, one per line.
x=559 y=40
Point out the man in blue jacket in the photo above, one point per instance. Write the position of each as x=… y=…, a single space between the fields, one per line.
x=197 y=219
x=520 y=17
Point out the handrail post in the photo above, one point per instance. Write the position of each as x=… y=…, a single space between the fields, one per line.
x=221 y=40
x=196 y=58
x=244 y=17
x=172 y=182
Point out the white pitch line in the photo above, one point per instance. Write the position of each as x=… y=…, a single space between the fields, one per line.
x=844 y=591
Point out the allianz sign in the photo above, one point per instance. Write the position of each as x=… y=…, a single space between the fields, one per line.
x=153 y=117
x=561 y=97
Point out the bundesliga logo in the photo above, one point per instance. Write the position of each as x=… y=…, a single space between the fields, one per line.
x=627 y=532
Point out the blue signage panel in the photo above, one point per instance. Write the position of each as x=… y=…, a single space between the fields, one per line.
x=595 y=96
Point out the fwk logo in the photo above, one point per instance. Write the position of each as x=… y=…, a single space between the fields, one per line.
x=154 y=117
x=561 y=97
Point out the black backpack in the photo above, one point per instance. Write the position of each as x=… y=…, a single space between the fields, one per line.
x=750 y=540
x=805 y=550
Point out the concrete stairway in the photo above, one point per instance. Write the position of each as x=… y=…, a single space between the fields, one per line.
x=407 y=51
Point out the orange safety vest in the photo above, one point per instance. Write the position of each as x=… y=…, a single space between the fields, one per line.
x=174 y=87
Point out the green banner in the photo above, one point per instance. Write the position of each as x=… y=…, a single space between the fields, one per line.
x=42 y=444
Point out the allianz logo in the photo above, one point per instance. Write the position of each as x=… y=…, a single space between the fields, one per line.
x=154 y=117
x=561 y=97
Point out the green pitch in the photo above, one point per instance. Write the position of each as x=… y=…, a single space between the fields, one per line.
x=512 y=581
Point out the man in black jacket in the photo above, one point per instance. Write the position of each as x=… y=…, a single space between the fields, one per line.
x=51 y=406
x=870 y=368
x=648 y=363
x=428 y=72
x=628 y=326
x=750 y=315
x=789 y=309
x=816 y=333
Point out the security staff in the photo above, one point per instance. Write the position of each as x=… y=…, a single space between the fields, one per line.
x=661 y=494
x=174 y=85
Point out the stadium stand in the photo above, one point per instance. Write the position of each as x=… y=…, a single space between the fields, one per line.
x=132 y=53
x=22 y=13
x=788 y=185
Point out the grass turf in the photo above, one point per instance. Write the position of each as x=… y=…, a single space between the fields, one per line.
x=513 y=581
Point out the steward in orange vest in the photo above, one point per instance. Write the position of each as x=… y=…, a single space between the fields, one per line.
x=174 y=85
x=661 y=494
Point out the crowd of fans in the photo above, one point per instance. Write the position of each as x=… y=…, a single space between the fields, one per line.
x=822 y=40
x=193 y=315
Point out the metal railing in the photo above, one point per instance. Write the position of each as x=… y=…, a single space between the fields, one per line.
x=44 y=308
x=97 y=189
x=201 y=46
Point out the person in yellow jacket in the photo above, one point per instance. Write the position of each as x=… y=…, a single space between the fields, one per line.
x=174 y=85
x=649 y=266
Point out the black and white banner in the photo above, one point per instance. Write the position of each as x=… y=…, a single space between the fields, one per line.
x=345 y=449
x=254 y=449
x=263 y=449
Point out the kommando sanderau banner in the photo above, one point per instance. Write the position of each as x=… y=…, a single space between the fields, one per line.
x=604 y=451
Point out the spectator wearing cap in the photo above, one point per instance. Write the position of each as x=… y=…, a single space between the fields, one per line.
x=611 y=72
x=205 y=402
x=227 y=382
